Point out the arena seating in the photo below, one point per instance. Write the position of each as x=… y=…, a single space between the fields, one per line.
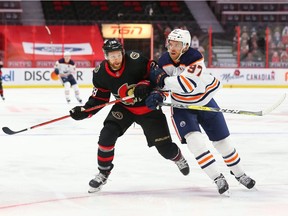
x=233 y=12
x=88 y=12
x=10 y=12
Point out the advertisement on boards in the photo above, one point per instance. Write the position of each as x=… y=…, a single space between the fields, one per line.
x=229 y=77
x=127 y=31
x=41 y=77
x=40 y=46
x=260 y=77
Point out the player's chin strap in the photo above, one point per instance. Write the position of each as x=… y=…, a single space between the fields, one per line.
x=183 y=50
x=8 y=131
x=232 y=111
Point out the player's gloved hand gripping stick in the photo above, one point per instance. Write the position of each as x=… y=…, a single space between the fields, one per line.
x=8 y=131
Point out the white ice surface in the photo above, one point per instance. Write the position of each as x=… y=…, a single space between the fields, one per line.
x=45 y=171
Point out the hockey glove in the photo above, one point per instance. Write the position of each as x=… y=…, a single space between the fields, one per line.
x=154 y=99
x=56 y=70
x=157 y=77
x=142 y=90
x=78 y=113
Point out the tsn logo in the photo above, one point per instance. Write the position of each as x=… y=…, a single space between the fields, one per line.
x=126 y=30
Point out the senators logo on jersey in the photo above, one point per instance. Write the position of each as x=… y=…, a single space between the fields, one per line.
x=126 y=90
x=121 y=83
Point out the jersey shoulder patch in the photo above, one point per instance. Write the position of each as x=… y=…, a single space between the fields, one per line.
x=134 y=55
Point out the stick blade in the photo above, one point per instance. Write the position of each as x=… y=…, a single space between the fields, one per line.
x=10 y=132
x=7 y=130
x=251 y=113
x=275 y=105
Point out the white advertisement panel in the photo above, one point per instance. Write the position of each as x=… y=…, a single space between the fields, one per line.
x=260 y=77
x=57 y=49
x=229 y=77
x=41 y=77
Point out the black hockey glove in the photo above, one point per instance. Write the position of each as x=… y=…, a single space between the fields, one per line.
x=56 y=70
x=142 y=89
x=154 y=99
x=78 y=113
x=157 y=77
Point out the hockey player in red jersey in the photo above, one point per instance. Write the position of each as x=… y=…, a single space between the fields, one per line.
x=182 y=72
x=123 y=74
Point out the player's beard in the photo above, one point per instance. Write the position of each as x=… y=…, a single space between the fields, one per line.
x=116 y=65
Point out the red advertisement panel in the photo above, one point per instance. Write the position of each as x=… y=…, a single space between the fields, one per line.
x=41 y=46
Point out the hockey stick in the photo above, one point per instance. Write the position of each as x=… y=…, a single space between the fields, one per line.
x=232 y=111
x=51 y=41
x=11 y=132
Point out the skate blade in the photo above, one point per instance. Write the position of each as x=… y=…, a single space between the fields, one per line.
x=253 y=189
x=225 y=194
x=94 y=190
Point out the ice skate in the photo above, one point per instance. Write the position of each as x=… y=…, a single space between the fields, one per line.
x=97 y=183
x=79 y=100
x=3 y=98
x=222 y=184
x=68 y=100
x=183 y=166
x=245 y=180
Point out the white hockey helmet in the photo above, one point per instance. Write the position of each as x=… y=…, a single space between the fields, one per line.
x=180 y=35
x=67 y=54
